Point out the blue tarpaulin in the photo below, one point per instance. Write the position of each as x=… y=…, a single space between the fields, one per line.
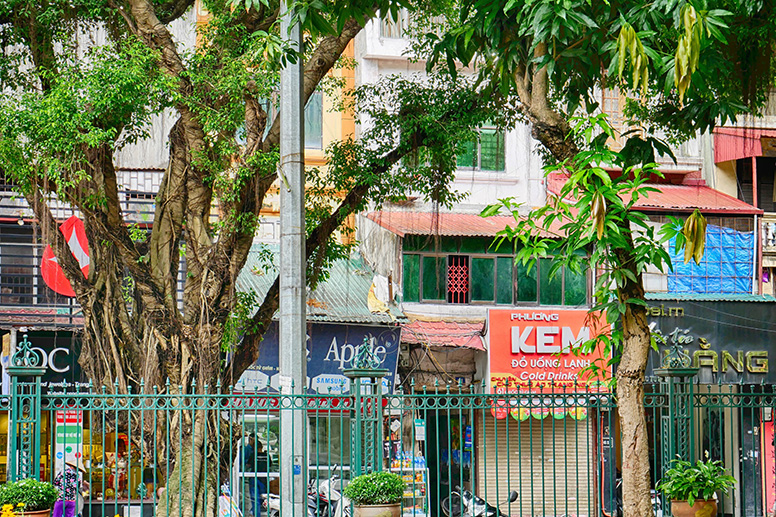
x=726 y=266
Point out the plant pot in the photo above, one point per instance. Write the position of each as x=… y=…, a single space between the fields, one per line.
x=701 y=508
x=378 y=510
x=36 y=513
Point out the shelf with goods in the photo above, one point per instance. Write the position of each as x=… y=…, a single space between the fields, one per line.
x=416 y=496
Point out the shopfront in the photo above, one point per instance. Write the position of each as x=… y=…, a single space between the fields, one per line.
x=59 y=353
x=733 y=344
x=540 y=438
x=330 y=350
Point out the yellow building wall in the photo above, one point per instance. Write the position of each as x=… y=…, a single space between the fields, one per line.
x=725 y=178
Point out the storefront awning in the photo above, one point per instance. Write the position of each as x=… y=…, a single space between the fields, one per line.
x=446 y=224
x=677 y=198
x=733 y=143
x=444 y=334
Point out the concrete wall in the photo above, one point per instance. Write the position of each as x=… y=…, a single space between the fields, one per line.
x=380 y=248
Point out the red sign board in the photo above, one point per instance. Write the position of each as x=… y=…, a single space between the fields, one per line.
x=533 y=347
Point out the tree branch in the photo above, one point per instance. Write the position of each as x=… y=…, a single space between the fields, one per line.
x=323 y=59
x=174 y=9
x=168 y=218
x=248 y=351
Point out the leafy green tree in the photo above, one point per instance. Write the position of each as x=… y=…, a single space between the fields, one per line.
x=71 y=105
x=685 y=65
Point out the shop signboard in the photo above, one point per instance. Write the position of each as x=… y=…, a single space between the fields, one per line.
x=729 y=342
x=330 y=350
x=534 y=349
x=69 y=438
x=59 y=353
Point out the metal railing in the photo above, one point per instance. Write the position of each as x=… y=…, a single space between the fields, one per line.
x=559 y=448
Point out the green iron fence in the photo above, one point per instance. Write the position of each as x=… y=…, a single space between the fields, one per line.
x=149 y=453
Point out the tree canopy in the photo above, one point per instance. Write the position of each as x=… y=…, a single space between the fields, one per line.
x=684 y=66
x=84 y=79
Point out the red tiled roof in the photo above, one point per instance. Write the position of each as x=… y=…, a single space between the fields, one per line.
x=444 y=333
x=444 y=224
x=678 y=198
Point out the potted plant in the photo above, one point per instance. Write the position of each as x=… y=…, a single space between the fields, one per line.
x=377 y=494
x=29 y=497
x=693 y=487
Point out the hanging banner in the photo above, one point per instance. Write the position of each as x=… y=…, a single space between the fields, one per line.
x=69 y=438
x=535 y=350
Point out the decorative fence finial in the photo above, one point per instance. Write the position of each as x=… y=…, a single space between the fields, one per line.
x=365 y=358
x=25 y=356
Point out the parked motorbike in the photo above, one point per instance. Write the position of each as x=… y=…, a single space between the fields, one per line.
x=325 y=499
x=463 y=503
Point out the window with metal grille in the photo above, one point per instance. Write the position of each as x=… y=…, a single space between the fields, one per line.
x=457 y=279
x=469 y=270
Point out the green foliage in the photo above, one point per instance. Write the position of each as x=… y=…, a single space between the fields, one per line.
x=33 y=494
x=677 y=55
x=238 y=322
x=590 y=222
x=375 y=488
x=428 y=121
x=685 y=481
x=45 y=134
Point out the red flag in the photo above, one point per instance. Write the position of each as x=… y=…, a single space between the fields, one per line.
x=75 y=233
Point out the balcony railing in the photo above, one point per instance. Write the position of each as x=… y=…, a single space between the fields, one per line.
x=769 y=233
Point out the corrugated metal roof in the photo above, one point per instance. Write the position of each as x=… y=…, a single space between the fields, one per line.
x=444 y=223
x=678 y=198
x=341 y=298
x=735 y=143
x=696 y=297
x=444 y=333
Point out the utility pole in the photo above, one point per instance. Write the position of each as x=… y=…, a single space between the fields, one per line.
x=293 y=323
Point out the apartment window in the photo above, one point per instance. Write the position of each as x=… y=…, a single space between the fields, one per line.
x=17 y=270
x=467 y=270
x=313 y=121
x=485 y=152
x=391 y=27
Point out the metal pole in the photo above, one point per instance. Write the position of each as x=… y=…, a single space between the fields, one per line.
x=293 y=356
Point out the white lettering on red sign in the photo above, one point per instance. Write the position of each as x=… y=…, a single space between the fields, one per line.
x=534 y=316
x=547 y=339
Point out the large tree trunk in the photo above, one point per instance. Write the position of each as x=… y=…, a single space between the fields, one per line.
x=553 y=131
x=636 y=483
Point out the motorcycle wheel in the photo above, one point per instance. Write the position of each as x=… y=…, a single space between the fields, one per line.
x=451 y=506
